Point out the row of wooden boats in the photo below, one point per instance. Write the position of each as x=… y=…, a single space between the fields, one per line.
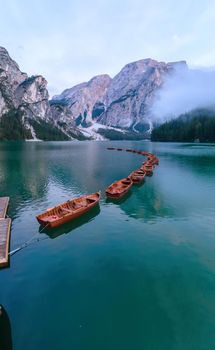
x=119 y=188
x=77 y=207
x=151 y=157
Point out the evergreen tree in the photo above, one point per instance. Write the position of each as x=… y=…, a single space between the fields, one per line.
x=198 y=125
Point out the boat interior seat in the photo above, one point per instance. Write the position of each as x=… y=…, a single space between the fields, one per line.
x=61 y=211
x=90 y=200
x=69 y=206
x=79 y=205
x=66 y=210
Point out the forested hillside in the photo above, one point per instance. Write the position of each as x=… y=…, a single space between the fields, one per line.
x=198 y=125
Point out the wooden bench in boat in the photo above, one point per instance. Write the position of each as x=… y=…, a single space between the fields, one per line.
x=69 y=210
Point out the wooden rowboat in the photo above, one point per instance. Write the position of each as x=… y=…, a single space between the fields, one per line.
x=119 y=188
x=148 y=168
x=148 y=163
x=69 y=210
x=148 y=171
x=137 y=176
x=151 y=157
x=155 y=160
x=152 y=162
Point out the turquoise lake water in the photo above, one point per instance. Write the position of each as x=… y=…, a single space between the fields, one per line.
x=138 y=274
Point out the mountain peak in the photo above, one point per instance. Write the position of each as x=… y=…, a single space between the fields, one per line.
x=100 y=79
x=119 y=102
x=3 y=50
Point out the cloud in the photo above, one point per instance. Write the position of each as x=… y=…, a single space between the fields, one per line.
x=70 y=41
x=205 y=59
x=183 y=91
x=180 y=41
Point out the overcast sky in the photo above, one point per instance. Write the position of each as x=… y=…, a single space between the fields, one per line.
x=69 y=41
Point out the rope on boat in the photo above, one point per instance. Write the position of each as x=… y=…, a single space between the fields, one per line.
x=28 y=242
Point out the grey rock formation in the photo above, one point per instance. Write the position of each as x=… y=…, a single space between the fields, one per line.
x=80 y=112
x=82 y=99
x=17 y=90
x=62 y=117
x=122 y=102
x=10 y=78
x=131 y=93
x=26 y=98
x=32 y=96
x=9 y=70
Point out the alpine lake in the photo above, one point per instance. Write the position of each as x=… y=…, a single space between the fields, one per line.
x=134 y=274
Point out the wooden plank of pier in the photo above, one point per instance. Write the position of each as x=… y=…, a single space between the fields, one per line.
x=4 y=201
x=5 y=225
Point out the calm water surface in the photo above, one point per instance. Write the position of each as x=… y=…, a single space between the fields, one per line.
x=138 y=274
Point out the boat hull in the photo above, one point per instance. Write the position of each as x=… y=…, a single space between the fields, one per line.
x=148 y=171
x=136 y=179
x=51 y=219
x=118 y=189
x=117 y=195
x=137 y=176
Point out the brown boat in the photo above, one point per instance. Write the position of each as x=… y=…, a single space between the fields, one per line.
x=111 y=148
x=148 y=164
x=119 y=188
x=151 y=157
x=69 y=210
x=137 y=176
x=119 y=149
x=148 y=171
x=148 y=168
x=144 y=153
x=155 y=160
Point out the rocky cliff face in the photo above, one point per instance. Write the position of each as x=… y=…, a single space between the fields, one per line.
x=122 y=102
x=84 y=100
x=132 y=91
x=19 y=91
x=92 y=110
x=24 y=97
x=32 y=96
x=10 y=78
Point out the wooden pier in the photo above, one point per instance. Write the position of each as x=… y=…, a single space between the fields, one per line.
x=5 y=224
x=4 y=201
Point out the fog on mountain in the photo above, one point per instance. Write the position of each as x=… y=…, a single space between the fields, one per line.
x=184 y=90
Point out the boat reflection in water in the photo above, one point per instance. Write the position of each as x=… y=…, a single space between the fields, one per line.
x=5 y=330
x=70 y=226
